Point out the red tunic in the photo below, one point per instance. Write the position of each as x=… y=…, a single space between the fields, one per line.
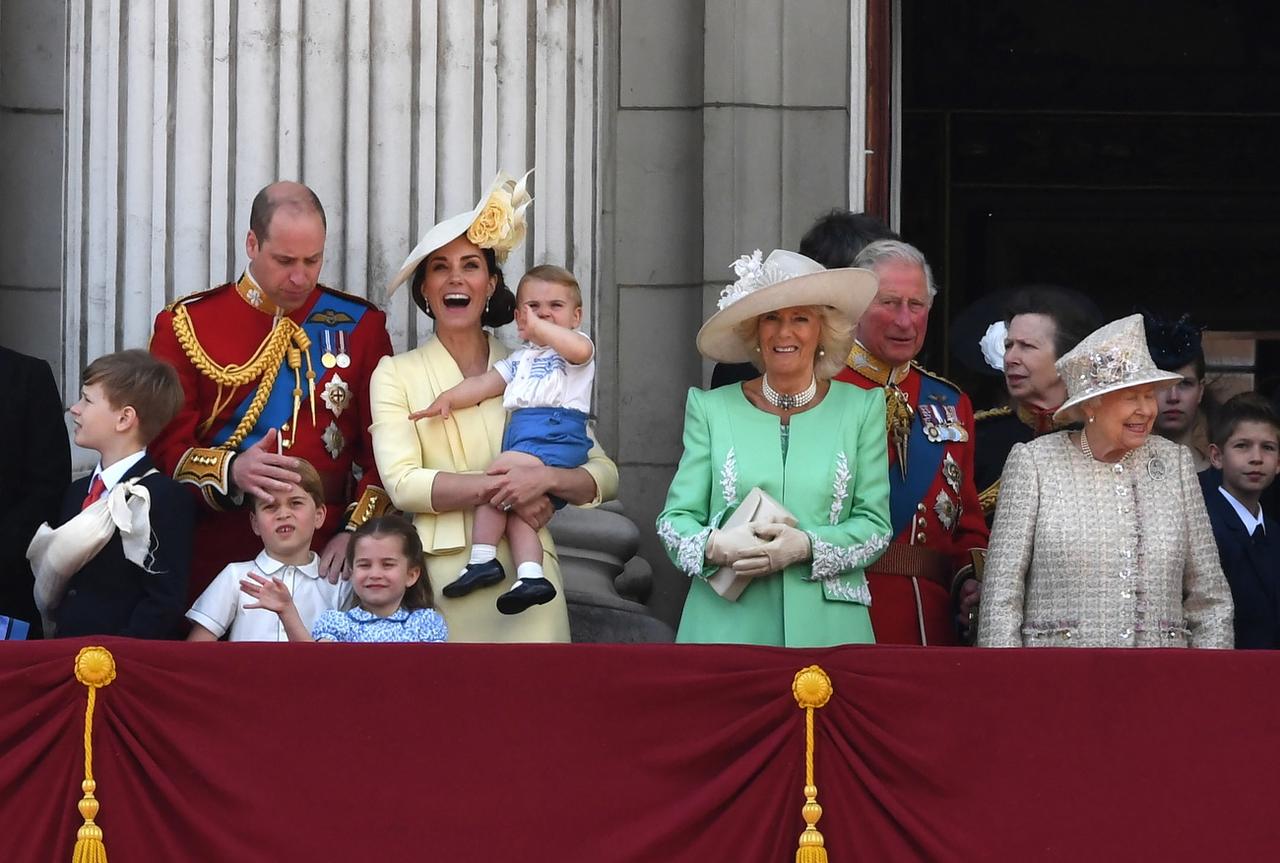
x=942 y=516
x=230 y=330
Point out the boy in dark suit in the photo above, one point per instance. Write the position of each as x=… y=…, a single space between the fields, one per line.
x=1245 y=449
x=135 y=584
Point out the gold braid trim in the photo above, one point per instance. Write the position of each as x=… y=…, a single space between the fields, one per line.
x=374 y=503
x=264 y=365
x=988 y=497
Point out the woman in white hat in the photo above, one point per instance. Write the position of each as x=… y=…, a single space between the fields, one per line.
x=788 y=570
x=1101 y=537
x=436 y=470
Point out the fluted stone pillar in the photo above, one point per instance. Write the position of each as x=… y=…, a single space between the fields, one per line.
x=397 y=112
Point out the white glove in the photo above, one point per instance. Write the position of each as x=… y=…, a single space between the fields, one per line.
x=785 y=545
x=725 y=547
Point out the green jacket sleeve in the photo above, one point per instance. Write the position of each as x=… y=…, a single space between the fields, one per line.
x=686 y=521
x=857 y=529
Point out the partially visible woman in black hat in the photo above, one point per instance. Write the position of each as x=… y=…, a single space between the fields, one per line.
x=1176 y=347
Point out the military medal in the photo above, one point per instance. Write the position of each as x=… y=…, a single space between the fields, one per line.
x=931 y=419
x=336 y=395
x=333 y=440
x=343 y=359
x=946 y=510
x=951 y=473
x=956 y=428
x=327 y=359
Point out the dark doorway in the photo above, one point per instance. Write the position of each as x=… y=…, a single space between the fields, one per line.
x=1128 y=149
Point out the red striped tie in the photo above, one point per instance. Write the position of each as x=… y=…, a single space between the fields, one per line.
x=96 y=490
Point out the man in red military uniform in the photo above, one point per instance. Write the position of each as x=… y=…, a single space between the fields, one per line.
x=275 y=367
x=937 y=520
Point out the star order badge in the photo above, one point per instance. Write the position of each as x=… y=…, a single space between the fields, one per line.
x=333 y=440
x=336 y=395
x=945 y=507
x=951 y=473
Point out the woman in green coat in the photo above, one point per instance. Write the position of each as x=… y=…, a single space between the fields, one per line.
x=814 y=446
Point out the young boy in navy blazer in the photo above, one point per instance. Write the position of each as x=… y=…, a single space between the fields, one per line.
x=126 y=399
x=1245 y=450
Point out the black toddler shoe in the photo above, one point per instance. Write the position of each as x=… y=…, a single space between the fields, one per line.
x=473 y=576
x=527 y=592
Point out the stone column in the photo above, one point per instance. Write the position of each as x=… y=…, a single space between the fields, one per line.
x=32 y=34
x=397 y=112
x=738 y=123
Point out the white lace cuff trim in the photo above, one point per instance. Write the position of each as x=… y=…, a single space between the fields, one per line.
x=831 y=561
x=688 y=552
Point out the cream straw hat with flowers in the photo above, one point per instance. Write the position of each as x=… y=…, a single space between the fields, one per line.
x=1114 y=357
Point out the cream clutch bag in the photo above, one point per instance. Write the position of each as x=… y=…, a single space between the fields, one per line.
x=756 y=506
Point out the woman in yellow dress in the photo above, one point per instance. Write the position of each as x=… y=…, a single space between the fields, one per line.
x=434 y=469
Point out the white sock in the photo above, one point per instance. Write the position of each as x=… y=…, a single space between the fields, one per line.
x=482 y=553
x=527 y=571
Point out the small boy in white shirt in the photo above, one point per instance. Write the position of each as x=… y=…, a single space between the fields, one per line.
x=286 y=525
x=547 y=387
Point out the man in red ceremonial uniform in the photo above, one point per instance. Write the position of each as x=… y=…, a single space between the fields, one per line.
x=275 y=367
x=939 y=531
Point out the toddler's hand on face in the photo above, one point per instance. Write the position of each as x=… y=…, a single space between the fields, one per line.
x=268 y=593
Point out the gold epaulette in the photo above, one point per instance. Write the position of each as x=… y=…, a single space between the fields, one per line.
x=374 y=503
x=937 y=377
x=987 y=497
x=209 y=470
x=993 y=413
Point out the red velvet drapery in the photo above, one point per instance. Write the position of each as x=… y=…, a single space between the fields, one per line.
x=244 y=752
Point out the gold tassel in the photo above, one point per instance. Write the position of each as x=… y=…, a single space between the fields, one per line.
x=812 y=689
x=95 y=668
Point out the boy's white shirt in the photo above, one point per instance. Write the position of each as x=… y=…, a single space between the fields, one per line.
x=115 y=473
x=221 y=606
x=538 y=377
x=1251 y=523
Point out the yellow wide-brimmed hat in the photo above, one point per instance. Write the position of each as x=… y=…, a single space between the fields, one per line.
x=780 y=281
x=497 y=222
x=1113 y=357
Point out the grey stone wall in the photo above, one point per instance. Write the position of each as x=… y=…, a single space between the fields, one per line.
x=732 y=133
x=32 y=34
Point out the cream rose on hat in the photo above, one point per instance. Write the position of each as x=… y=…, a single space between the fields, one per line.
x=497 y=222
x=782 y=280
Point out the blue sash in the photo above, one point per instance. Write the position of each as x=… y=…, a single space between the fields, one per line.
x=924 y=459
x=331 y=312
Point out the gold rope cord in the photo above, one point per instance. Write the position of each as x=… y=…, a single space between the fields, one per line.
x=95 y=668
x=264 y=365
x=812 y=689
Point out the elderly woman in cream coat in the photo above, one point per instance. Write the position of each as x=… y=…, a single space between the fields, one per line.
x=1101 y=538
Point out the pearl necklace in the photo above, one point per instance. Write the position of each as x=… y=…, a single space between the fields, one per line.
x=1088 y=451
x=788 y=401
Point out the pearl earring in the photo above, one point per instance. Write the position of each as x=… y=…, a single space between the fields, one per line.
x=822 y=352
x=1091 y=419
x=757 y=349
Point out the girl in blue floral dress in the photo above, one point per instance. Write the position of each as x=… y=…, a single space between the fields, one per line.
x=393 y=600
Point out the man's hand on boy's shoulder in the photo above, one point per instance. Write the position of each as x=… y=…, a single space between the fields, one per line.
x=333 y=560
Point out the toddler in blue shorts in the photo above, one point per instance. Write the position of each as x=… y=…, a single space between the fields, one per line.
x=546 y=385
